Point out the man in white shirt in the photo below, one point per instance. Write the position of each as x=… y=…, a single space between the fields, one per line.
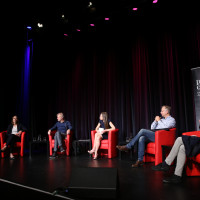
x=145 y=135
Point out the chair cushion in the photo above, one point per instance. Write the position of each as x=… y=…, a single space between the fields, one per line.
x=104 y=144
x=18 y=144
x=150 y=148
x=196 y=158
x=104 y=141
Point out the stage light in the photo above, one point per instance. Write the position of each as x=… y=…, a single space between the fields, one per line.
x=92 y=25
x=135 y=9
x=66 y=35
x=29 y=27
x=107 y=18
x=155 y=1
x=78 y=30
x=40 y=25
x=90 y=4
x=63 y=16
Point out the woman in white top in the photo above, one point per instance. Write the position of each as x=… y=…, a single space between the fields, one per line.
x=13 y=134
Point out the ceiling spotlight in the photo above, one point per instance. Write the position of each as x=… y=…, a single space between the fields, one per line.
x=107 y=18
x=155 y=1
x=40 y=25
x=78 y=30
x=29 y=27
x=92 y=25
x=90 y=4
x=135 y=9
x=65 y=34
x=63 y=16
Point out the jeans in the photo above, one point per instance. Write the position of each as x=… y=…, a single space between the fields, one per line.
x=58 y=140
x=143 y=136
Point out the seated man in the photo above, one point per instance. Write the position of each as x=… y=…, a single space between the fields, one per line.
x=184 y=146
x=145 y=135
x=63 y=127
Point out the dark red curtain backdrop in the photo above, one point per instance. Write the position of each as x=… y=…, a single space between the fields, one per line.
x=128 y=72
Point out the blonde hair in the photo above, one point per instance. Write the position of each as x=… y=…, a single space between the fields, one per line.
x=61 y=115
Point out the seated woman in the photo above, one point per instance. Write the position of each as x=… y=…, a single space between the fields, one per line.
x=13 y=134
x=102 y=129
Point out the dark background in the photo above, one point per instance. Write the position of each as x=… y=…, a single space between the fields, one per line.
x=129 y=66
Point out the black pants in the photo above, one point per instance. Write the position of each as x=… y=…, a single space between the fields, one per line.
x=11 y=140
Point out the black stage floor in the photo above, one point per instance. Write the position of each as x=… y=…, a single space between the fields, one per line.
x=40 y=177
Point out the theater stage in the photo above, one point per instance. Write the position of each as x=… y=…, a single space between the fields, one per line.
x=39 y=177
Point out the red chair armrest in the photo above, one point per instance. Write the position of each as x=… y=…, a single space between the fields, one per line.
x=112 y=143
x=69 y=137
x=92 y=136
x=2 y=137
x=164 y=137
x=23 y=137
x=51 y=136
x=197 y=133
x=112 y=135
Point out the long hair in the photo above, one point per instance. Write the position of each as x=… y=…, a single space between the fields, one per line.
x=17 y=121
x=105 y=119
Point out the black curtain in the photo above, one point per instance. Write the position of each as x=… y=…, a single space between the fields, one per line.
x=129 y=72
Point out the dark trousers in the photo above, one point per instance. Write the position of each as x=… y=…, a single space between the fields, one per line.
x=11 y=140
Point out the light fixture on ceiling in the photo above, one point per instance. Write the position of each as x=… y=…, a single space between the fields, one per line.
x=40 y=25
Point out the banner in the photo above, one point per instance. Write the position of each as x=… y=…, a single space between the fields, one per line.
x=196 y=91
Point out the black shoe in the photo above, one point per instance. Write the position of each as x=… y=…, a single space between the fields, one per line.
x=172 y=179
x=161 y=167
x=54 y=155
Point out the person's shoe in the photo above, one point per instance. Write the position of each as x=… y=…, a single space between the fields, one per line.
x=90 y=152
x=161 y=167
x=172 y=179
x=4 y=148
x=61 y=149
x=122 y=148
x=137 y=164
x=54 y=155
x=95 y=157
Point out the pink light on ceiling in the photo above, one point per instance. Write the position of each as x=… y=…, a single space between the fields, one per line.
x=92 y=25
x=155 y=1
x=107 y=18
x=135 y=9
x=65 y=34
x=78 y=30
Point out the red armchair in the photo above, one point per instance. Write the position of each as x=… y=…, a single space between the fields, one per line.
x=20 y=144
x=153 y=152
x=67 y=142
x=107 y=147
x=193 y=164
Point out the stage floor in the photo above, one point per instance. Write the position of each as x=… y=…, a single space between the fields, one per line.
x=38 y=176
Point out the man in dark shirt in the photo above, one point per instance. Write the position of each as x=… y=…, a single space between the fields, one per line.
x=63 y=127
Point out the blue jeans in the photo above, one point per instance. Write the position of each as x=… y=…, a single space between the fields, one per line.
x=143 y=136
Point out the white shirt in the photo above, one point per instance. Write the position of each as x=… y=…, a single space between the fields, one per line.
x=168 y=122
x=14 y=130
